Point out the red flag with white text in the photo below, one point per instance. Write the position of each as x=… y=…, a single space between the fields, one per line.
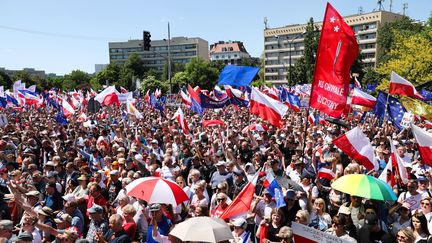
x=337 y=51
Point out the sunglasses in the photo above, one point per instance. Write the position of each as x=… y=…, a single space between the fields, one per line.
x=220 y=199
x=423 y=203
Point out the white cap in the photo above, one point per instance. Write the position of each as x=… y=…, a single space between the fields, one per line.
x=68 y=197
x=239 y=222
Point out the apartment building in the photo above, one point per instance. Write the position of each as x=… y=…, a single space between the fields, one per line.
x=284 y=45
x=228 y=52
x=182 y=50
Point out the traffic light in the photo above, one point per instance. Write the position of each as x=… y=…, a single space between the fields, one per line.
x=146 y=39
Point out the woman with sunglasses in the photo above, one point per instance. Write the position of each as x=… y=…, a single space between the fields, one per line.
x=221 y=205
x=338 y=228
x=405 y=235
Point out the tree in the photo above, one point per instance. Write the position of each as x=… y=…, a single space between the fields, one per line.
x=111 y=74
x=5 y=80
x=77 y=79
x=179 y=80
x=136 y=65
x=201 y=73
x=175 y=68
x=386 y=35
x=410 y=58
x=303 y=70
x=151 y=83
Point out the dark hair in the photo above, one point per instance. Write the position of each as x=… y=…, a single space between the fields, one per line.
x=423 y=222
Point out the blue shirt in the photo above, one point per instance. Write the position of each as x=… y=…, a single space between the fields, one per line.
x=164 y=227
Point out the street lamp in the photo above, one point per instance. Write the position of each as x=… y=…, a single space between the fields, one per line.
x=290 y=53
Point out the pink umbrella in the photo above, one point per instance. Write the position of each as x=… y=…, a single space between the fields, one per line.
x=255 y=127
x=156 y=190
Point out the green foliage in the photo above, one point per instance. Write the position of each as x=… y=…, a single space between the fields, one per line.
x=136 y=65
x=77 y=79
x=5 y=80
x=201 y=73
x=179 y=80
x=22 y=75
x=175 y=68
x=151 y=83
x=302 y=72
x=259 y=82
x=386 y=36
x=410 y=58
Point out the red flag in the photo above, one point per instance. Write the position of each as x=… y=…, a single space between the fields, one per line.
x=326 y=173
x=336 y=53
x=424 y=140
x=179 y=116
x=241 y=204
x=208 y=123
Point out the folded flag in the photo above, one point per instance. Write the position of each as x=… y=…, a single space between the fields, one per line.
x=417 y=107
x=357 y=146
x=401 y=86
x=424 y=140
x=68 y=110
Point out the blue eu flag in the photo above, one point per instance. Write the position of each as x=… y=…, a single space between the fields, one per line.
x=395 y=110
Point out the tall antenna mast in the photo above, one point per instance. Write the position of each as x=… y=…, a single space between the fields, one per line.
x=360 y=10
x=405 y=7
x=391 y=5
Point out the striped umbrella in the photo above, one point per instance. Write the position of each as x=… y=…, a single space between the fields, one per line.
x=157 y=190
x=364 y=186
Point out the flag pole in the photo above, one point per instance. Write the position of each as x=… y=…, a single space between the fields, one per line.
x=305 y=134
x=385 y=108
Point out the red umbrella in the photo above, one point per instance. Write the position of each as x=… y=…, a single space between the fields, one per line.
x=156 y=190
x=208 y=123
x=255 y=127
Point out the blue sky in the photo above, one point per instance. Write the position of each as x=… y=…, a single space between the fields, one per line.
x=60 y=36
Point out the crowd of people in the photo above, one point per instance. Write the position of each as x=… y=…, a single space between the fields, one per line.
x=66 y=183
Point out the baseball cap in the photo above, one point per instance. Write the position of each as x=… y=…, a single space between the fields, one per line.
x=221 y=163
x=95 y=209
x=290 y=194
x=69 y=197
x=32 y=193
x=63 y=218
x=344 y=210
x=239 y=222
x=114 y=172
x=6 y=224
x=155 y=207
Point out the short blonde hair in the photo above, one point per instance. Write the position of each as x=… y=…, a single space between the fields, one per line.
x=129 y=209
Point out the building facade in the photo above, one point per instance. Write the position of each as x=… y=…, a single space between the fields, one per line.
x=228 y=52
x=182 y=50
x=284 y=45
x=31 y=71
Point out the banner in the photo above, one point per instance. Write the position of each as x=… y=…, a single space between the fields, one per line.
x=209 y=103
x=336 y=53
x=124 y=97
x=237 y=75
x=305 y=234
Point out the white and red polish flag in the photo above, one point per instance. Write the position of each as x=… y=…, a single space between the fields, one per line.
x=108 y=96
x=326 y=173
x=179 y=116
x=401 y=86
x=242 y=203
x=428 y=125
x=397 y=165
x=336 y=53
x=362 y=98
x=311 y=118
x=131 y=109
x=83 y=117
x=267 y=108
x=357 y=146
x=424 y=140
x=68 y=110
x=185 y=99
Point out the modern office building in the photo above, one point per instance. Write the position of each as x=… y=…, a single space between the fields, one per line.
x=100 y=67
x=284 y=43
x=228 y=52
x=182 y=50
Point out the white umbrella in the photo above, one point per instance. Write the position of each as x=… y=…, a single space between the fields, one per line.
x=203 y=229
